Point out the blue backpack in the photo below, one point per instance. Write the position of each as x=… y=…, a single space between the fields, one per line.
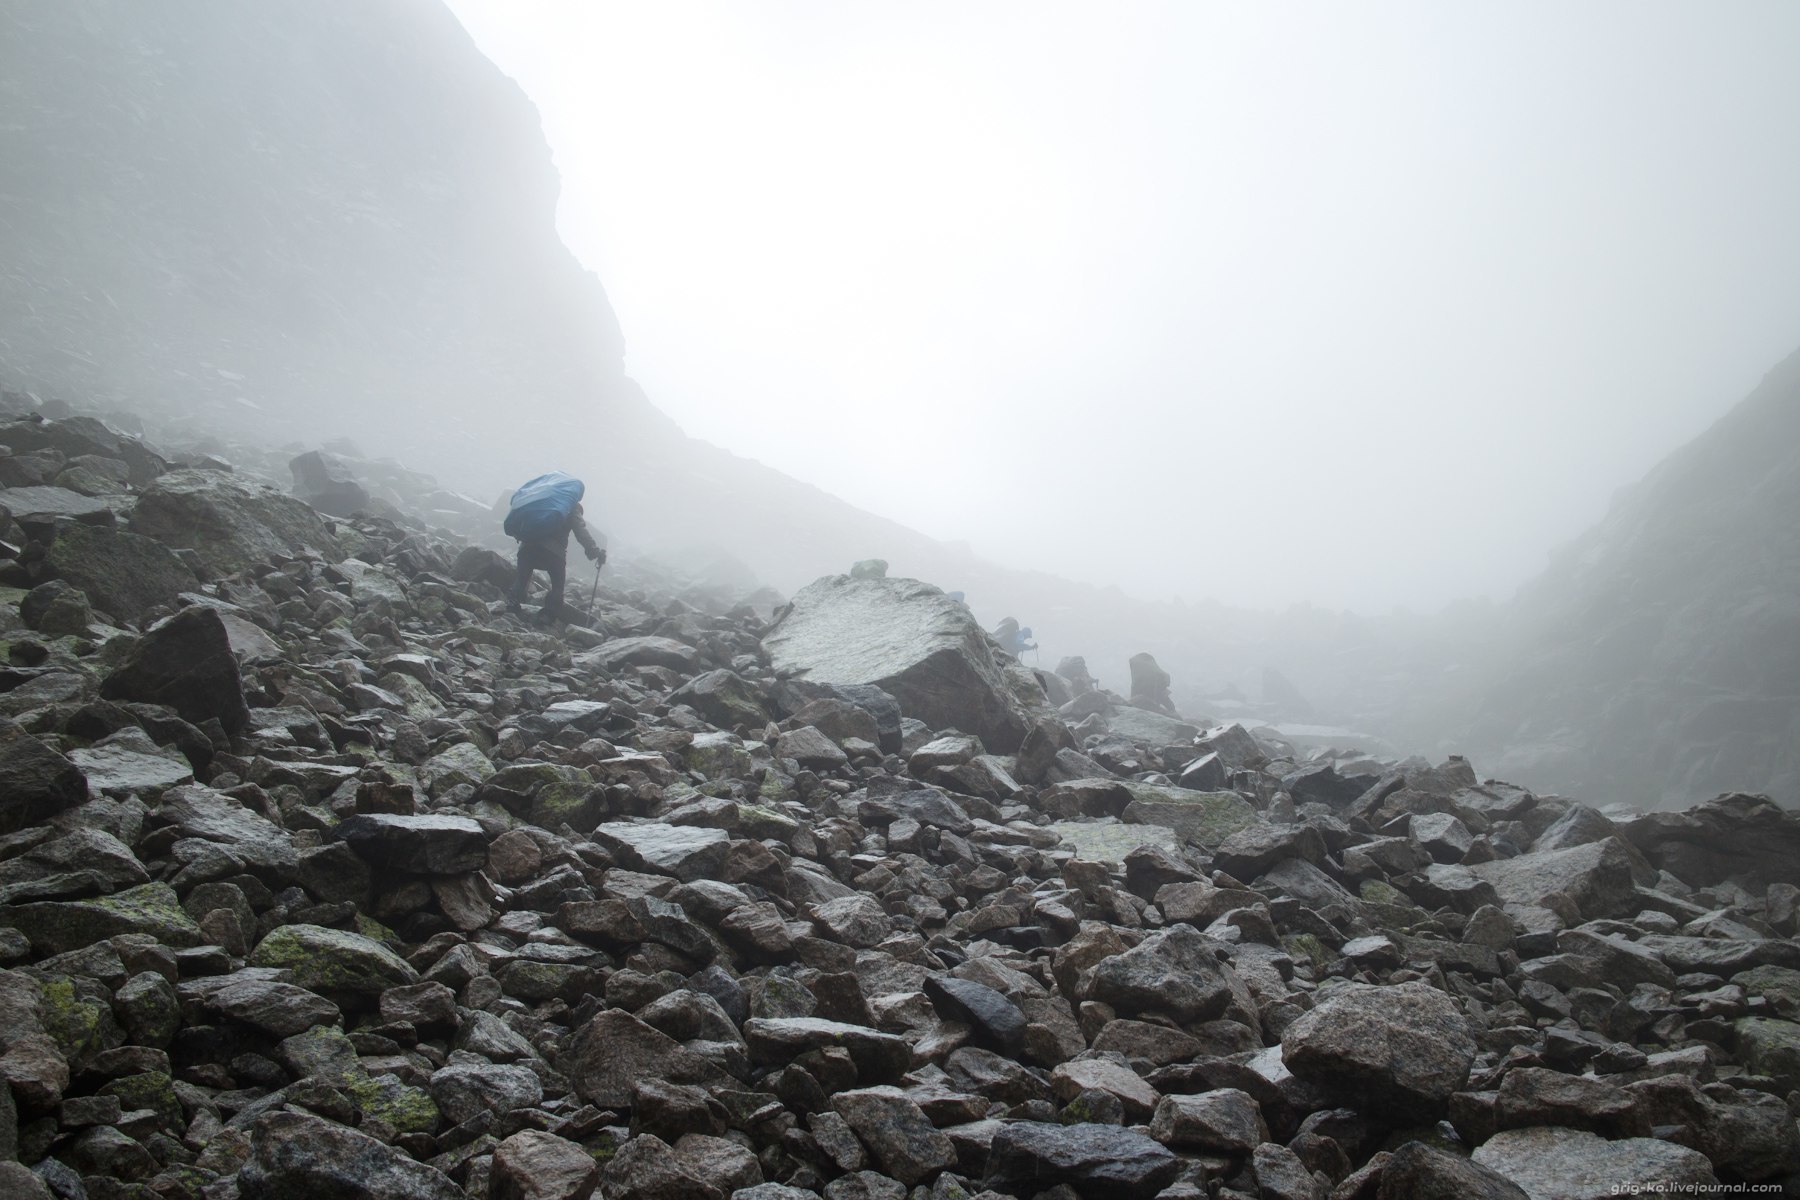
x=541 y=506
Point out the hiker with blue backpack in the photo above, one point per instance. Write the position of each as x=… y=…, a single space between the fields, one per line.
x=542 y=515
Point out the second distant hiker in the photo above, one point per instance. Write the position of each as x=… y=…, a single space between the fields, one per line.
x=1012 y=638
x=542 y=515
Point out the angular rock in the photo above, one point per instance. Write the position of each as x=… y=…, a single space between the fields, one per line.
x=995 y=1021
x=1207 y=818
x=1088 y=1075
x=896 y=1132
x=684 y=851
x=465 y=1090
x=186 y=663
x=129 y=762
x=723 y=697
x=1101 y=1162
x=345 y=967
x=1404 y=1048
x=1148 y=728
x=1221 y=1121
x=36 y=782
x=622 y=653
x=646 y=1168
x=1417 y=1171
x=1174 y=971
x=1597 y=878
x=326 y=482
x=614 y=1052
x=299 y=1157
x=423 y=845
x=853 y=920
x=879 y=1057
x=279 y=1009
x=928 y=806
x=1573 y=1165
x=56 y=927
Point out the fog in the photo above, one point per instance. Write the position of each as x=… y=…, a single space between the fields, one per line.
x=1356 y=305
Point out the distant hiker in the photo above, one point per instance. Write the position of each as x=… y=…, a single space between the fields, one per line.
x=1150 y=686
x=1013 y=639
x=542 y=515
x=1075 y=670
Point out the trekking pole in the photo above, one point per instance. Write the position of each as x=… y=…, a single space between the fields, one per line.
x=595 y=593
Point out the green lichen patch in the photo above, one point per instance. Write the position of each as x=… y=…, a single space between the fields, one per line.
x=58 y=926
x=407 y=1109
x=334 y=963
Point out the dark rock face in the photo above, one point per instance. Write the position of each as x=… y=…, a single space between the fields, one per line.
x=1102 y=1161
x=36 y=782
x=421 y=845
x=1746 y=840
x=185 y=662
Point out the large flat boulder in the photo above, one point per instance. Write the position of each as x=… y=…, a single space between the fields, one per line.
x=910 y=640
x=123 y=574
x=1597 y=877
x=1149 y=728
x=230 y=523
x=1571 y=1164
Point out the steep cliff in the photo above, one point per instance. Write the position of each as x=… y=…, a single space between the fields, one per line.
x=1658 y=660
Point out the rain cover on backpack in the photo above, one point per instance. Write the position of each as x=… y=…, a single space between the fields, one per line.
x=541 y=506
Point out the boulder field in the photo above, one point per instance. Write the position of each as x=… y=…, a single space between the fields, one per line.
x=323 y=877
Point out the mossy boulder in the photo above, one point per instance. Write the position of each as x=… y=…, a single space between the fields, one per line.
x=1780 y=986
x=1207 y=818
x=1770 y=1047
x=124 y=574
x=327 y=1055
x=346 y=967
x=77 y=1018
x=152 y=1090
x=461 y=763
x=717 y=755
x=580 y=806
x=58 y=926
x=229 y=522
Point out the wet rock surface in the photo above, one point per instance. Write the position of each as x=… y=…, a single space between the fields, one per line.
x=323 y=875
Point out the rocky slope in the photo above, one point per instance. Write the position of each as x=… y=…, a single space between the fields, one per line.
x=321 y=876
x=1658 y=660
x=336 y=220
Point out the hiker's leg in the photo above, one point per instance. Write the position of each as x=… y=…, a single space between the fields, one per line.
x=522 y=578
x=558 y=570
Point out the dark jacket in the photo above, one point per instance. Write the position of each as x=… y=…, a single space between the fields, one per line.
x=557 y=542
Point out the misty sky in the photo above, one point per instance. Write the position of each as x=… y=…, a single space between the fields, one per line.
x=1361 y=305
